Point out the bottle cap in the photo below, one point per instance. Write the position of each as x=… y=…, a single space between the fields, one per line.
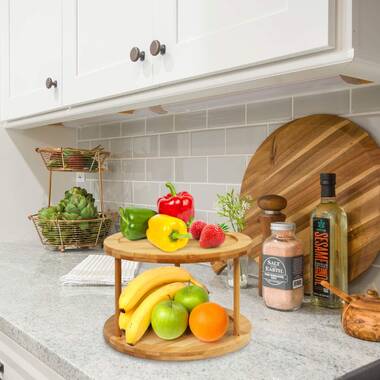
x=282 y=226
x=328 y=179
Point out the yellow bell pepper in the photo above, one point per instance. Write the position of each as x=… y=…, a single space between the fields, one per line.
x=167 y=233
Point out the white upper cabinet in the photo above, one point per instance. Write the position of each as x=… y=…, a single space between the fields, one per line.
x=98 y=38
x=181 y=49
x=31 y=46
x=205 y=37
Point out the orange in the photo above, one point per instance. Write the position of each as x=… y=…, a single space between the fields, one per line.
x=208 y=322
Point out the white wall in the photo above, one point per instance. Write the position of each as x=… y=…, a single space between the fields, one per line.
x=24 y=178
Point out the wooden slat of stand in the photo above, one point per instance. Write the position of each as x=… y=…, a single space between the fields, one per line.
x=187 y=347
x=235 y=245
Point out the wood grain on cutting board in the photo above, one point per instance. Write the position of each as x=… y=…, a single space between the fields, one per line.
x=289 y=162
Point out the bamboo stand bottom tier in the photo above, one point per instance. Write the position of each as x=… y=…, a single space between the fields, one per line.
x=187 y=347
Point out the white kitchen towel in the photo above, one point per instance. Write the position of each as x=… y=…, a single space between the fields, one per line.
x=99 y=270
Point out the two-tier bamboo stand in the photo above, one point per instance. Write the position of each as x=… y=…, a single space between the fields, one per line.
x=187 y=347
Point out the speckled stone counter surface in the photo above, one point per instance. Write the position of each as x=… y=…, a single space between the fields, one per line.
x=62 y=326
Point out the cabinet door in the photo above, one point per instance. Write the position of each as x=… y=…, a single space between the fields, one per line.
x=98 y=38
x=205 y=37
x=31 y=45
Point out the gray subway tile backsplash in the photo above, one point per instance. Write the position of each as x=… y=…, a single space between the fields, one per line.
x=226 y=116
x=114 y=170
x=145 y=192
x=208 y=143
x=145 y=146
x=337 y=102
x=160 y=124
x=121 y=148
x=226 y=169
x=206 y=152
x=192 y=120
x=366 y=99
x=87 y=133
x=133 y=169
x=245 y=140
x=110 y=130
x=174 y=144
x=191 y=169
x=133 y=128
x=160 y=169
x=205 y=195
x=279 y=109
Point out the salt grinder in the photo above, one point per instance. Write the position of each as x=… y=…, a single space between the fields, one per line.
x=271 y=206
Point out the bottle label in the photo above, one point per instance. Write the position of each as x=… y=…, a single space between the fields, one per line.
x=282 y=272
x=321 y=262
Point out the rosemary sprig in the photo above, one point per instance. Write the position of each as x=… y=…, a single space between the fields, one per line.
x=234 y=208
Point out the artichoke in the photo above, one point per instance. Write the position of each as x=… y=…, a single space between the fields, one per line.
x=78 y=204
x=49 y=213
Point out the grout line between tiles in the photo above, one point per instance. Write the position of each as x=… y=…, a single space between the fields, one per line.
x=174 y=172
x=233 y=126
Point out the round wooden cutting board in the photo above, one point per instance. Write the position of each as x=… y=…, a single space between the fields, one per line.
x=289 y=162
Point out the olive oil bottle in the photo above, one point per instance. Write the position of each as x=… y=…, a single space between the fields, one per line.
x=328 y=245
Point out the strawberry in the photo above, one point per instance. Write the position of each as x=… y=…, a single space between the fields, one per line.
x=212 y=236
x=196 y=228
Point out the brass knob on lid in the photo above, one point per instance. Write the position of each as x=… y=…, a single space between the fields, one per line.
x=372 y=293
x=272 y=203
x=136 y=54
x=157 y=48
x=50 y=83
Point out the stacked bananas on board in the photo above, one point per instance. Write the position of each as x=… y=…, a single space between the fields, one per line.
x=141 y=295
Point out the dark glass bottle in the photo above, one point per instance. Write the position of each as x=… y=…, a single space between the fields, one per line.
x=329 y=259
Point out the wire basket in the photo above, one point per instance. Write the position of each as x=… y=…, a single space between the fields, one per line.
x=72 y=234
x=73 y=159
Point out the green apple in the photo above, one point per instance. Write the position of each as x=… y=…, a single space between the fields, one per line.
x=191 y=296
x=169 y=319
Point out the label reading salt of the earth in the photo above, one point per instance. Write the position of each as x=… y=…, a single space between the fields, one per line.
x=282 y=272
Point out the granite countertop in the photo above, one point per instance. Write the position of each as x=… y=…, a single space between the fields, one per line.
x=63 y=327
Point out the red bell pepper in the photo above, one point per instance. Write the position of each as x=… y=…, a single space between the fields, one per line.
x=179 y=205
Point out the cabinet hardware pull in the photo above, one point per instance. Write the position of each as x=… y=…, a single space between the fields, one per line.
x=157 y=48
x=1 y=371
x=51 y=83
x=136 y=54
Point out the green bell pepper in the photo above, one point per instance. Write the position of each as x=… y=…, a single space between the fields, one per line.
x=134 y=222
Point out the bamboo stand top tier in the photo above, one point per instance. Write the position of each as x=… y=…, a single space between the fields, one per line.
x=235 y=245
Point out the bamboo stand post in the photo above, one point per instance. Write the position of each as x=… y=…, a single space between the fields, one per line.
x=237 y=296
x=117 y=294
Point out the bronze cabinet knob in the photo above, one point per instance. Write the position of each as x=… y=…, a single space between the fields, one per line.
x=51 y=83
x=136 y=54
x=157 y=48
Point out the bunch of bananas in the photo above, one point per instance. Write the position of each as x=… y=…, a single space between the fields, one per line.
x=143 y=293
